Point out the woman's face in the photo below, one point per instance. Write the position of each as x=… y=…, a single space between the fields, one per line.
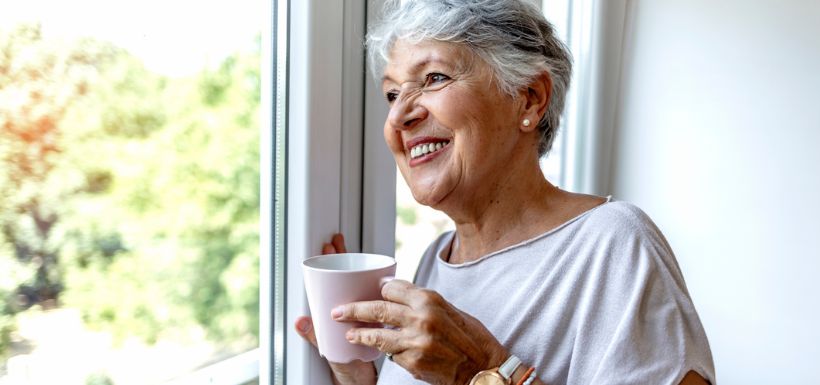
x=450 y=129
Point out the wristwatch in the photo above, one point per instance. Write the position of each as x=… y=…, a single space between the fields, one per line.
x=498 y=376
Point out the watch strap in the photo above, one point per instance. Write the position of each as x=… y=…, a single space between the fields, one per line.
x=508 y=367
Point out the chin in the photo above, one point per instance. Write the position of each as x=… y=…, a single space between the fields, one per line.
x=426 y=196
x=421 y=198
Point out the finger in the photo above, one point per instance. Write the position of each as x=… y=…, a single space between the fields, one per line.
x=405 y=293
x=372 y=311
x=338 y=242
x=385 y=340
x=327 y=248
x=304 y=327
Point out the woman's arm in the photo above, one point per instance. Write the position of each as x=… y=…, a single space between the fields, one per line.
x=354 y=373
x=693 y=378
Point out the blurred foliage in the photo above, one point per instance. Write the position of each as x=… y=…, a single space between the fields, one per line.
x=126 y=194
x=407 y=215
x=99 y=379
x=7 y=325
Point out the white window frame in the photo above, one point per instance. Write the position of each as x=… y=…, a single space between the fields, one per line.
x=274 y=52
x=337 y=168
x=594 y=31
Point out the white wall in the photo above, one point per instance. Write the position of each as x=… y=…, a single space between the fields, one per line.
x=718 y=138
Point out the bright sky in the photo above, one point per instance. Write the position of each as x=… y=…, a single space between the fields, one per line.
x=174 y=37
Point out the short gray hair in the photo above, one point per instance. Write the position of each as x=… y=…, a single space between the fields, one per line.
x=511 y=36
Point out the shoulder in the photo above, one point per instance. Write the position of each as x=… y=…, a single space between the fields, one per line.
x=634 y=301
x=620 y=236
x=622 y=222
x=627 y=242
x=617 y=214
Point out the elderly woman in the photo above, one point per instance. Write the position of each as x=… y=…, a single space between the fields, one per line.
x=536 y=285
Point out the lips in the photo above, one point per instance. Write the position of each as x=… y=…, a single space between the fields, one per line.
x=427 y=148
x=423 y=149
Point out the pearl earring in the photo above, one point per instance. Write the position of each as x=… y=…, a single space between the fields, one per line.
x=526 y=122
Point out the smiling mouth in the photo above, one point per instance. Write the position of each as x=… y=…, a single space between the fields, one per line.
x=427 y=148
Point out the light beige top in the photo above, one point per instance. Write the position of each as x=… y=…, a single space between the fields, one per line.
x=598 y=300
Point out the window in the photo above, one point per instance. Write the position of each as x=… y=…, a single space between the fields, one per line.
x=129 y=171
x=338 y=175
x=145 y=196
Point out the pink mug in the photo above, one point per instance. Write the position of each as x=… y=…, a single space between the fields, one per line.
x=338 y=279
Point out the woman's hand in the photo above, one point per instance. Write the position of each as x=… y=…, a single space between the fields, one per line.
x=356 y=372
x=432 y=340
x=353 y=373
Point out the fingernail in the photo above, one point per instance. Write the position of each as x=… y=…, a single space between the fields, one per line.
x=349 y=336
x=337 y=312
x=304 y=325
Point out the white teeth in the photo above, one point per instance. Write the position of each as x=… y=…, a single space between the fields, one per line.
x=424 y=149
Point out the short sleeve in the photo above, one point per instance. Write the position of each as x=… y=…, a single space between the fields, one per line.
x=637 y=324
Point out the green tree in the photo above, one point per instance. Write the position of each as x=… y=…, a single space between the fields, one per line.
x=132 y=196
x=185 y=197
x=33 y=104
x=41 y=82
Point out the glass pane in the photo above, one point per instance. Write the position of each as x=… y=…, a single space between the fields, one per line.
x=416 y=227
x=551 y=164
x=129 y=189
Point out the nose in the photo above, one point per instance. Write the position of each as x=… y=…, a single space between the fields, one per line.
x=406 y=112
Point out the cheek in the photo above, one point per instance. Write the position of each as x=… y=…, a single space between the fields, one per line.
x=392 y=138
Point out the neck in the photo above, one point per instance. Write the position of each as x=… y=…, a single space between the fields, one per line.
x=511 y=209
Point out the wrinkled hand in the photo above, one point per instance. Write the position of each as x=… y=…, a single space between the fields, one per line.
x=433 y=340
x=355 y=372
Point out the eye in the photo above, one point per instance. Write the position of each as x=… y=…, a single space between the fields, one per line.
x=391 y=96
x=435 y=78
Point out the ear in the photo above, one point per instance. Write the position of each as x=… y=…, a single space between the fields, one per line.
x=536 y=100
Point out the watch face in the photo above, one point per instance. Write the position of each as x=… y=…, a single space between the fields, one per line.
x=488 y=377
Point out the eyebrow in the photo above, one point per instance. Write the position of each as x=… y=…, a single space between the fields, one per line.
x=419 y=65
